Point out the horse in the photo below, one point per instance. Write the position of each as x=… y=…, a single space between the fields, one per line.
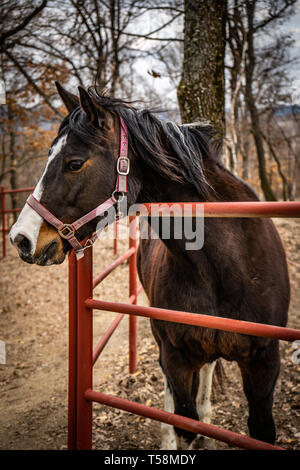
x=240 y=272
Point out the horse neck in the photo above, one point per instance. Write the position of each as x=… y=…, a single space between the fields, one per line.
x=159 y=190
x=226 y=187
x=155 y=188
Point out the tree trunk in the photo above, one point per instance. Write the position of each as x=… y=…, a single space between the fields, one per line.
x=251 y=105
x=235 y=105
x=115 y=27
x=285 y=184
x=201 y=89
x=245 y=159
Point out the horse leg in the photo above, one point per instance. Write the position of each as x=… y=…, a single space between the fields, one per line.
x=259 y=379
x=203 y=401
x=182 y=383
x=168 y=439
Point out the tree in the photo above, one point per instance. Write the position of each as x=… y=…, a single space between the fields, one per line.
x=258 y=72
x=18 y=18
x=24 y=139
x=102 y=41
x=251 y=104
x=201 y=90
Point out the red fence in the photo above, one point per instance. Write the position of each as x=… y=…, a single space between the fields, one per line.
x=4 y=212
x=81 y=354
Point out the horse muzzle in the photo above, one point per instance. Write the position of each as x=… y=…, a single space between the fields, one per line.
x=45 y=249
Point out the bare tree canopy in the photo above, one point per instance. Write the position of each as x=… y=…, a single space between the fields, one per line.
x=190 y=58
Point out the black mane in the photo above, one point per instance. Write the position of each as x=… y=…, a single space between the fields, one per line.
x=175 y=151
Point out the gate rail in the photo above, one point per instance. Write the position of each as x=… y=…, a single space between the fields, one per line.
x=81 y=354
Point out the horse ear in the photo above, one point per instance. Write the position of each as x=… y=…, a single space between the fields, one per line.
x=89 y=107
x=70 y=101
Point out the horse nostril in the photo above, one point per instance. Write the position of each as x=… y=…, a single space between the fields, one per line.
x=23 y=243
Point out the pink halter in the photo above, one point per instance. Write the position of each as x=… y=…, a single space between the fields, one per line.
x=67 y=231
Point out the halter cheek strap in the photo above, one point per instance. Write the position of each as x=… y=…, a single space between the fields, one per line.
x=67 y=231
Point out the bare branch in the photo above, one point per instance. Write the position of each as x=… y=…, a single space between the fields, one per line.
x=146 y=36
x=32 y=82
x=24 y=23
x=275 y=16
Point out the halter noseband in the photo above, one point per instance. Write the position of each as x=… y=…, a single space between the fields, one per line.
x=67 y=231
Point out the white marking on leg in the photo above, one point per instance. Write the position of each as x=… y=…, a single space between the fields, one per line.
x=204 y=392
x=29 y=222
x=204 y=397
x=168 y=441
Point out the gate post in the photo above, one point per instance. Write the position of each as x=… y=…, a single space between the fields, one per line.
x=3 y=221
x=132 y=291
x=73 y=320
x=84 y=351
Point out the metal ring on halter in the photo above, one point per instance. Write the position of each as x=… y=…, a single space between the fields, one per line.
x=89 y=243
x=120 y=198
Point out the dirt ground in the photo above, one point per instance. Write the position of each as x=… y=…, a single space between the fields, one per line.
x=34 y=326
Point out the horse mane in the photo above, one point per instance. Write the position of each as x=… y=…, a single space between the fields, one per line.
x=176 y=152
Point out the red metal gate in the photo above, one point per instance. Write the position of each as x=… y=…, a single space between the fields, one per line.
x=81 y=354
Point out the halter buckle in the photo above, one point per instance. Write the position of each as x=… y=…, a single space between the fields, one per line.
x=123 y=165
x=66 y=231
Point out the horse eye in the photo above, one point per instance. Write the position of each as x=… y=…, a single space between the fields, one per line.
x=74 y=165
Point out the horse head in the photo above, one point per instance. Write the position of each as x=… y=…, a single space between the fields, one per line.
x=86 y=171
x=80 y=174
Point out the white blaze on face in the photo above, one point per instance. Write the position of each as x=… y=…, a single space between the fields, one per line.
x=29 y=222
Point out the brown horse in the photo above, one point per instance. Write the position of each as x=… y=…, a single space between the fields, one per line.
x=240 y=272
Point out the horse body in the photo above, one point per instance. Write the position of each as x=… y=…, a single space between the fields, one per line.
x=241 y=271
